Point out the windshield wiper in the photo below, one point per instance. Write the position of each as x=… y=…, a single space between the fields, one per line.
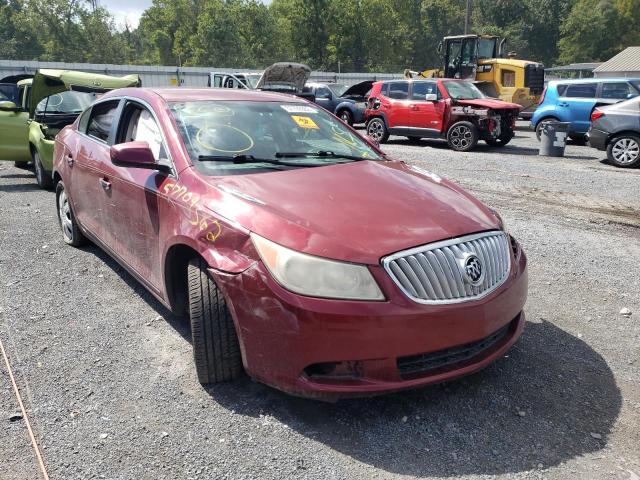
x=236 y=159
x=321 y=154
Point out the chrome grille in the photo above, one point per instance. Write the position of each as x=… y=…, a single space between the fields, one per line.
x=435 y=273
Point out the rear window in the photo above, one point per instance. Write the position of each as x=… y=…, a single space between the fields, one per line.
x=399 y=90
x=617 y=90
x=581 y=90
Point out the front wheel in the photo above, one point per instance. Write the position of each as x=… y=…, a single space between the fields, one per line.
x=71 y=233
x=347 y=117
x=501 y=141
x=624 y=151
x=216 y=349
x=43 y=178
x=21 y=165
x=377 y=130
x=462 y=136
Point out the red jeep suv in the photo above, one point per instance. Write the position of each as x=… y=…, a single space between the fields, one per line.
x=439 y=108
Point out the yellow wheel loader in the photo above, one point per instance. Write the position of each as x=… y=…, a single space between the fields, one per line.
x=481 y=58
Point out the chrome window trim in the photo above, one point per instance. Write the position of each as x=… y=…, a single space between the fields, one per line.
x=386 y=261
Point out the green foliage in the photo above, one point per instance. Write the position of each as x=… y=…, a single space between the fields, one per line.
x=354 y=35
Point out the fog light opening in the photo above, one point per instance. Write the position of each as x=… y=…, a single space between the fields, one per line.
x=334 y=370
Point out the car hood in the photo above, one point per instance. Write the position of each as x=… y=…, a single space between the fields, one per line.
x=356 y=212
x=48 y=82
x=492 y=103
x=358 y=90
x=294 y=75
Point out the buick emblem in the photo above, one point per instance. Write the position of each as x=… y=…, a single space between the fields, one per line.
x=472 y=269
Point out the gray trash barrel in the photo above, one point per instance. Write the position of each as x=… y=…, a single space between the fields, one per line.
x=553 y=138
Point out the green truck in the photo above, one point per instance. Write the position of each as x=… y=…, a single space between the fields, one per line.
x=34 y=110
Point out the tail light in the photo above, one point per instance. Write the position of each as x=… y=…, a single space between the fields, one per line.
x=596 y=114
x=542 y=96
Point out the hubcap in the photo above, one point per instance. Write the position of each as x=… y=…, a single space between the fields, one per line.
x=64 y=212
x=345 y=117
x=625 y=151
x=376 y=130
x=461 y=136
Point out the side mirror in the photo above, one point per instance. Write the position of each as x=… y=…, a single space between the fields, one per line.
x=8 y=106
x=431 y=97
x=135 y=155
x=631 y=95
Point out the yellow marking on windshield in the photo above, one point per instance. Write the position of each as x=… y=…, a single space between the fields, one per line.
x=305 y=122
x=212 y=128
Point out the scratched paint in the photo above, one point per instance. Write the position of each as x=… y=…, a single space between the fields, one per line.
x=208 y=226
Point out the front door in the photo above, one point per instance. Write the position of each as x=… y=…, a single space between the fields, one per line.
x=132 y=210
x=426 y=115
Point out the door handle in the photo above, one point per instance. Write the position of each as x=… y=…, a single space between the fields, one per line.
x=415 y=107
x=105 y=184
x=563 y=104
x=69 y=158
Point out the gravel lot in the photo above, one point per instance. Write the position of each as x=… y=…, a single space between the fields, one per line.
x=108 y=381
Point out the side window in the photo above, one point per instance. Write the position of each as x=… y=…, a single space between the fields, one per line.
x=101 y=119
x=421 y=89
x=138 y=125
x=84 y=120
x=217 y=81
x=508 y=78
x=581 y=90
x=617 y=90
x=322 y=92
x=562 y=89
x=384 y=90
x=399 y=90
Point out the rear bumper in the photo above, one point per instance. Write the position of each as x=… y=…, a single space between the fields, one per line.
x=332 y=349
x=597 y=138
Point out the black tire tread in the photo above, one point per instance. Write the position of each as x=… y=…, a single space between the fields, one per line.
x=474 y=130
x=216 y=349
x=46 y=182
x=612 y=142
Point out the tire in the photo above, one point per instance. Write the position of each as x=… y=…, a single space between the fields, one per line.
x=624 y=150
x=22 y=165
x=42 y=176
x=71 y=233
x=539 y=125
x=346 y=116
x=501 y=141
x=216 y=350
x=377 y=130
x=462 y=136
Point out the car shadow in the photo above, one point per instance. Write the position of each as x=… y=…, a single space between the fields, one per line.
x=550 y=399
x=18 y=187
x=538 y=406
x=18 y=175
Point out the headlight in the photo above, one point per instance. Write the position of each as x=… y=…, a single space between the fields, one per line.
x=315 y=276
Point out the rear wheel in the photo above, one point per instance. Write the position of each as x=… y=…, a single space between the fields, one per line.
x=22 y=165
x=71 y=233
x=216 y=350
x=377 y=130
x=346 y=116
x=539 y=125
x=42 y=176
x=624 y=151
x=462 y=136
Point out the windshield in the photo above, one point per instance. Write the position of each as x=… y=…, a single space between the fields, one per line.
x=337 y=88
x=463 y=90
x=66 y=102
x=486 y=48
x=295 y=134
x=252 y=79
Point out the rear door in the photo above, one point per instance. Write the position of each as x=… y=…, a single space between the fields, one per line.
x=576 y=103
x=91 y=189
x=396 y=105
x=426 y=114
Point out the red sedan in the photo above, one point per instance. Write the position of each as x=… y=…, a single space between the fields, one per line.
x=300 y=252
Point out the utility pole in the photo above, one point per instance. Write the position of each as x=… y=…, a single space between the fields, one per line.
x=467 y=18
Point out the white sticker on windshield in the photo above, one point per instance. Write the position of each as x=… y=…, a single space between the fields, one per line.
x=299 y=109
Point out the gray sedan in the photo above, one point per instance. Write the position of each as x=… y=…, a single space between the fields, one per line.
x=616 y=129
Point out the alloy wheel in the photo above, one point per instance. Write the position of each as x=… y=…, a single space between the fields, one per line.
x=64 y=212
x=375 y=130
x=625 y=151
x=461 y=137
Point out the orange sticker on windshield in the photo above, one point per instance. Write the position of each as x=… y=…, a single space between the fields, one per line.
x=305 y=122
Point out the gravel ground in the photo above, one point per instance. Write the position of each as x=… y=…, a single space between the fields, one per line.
x=107 y=376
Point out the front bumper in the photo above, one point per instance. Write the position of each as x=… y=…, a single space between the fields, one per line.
x=597 y=138
x=331 y=349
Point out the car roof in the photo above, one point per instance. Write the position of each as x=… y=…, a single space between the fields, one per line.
x=181 y=94
x=591 y=80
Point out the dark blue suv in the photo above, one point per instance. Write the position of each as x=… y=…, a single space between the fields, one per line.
x=574 y=100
